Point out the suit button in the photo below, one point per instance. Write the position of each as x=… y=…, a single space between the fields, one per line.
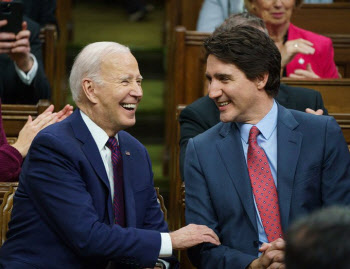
x=256 y=243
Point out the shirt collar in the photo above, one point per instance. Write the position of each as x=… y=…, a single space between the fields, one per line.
x=266 y=125
x=98 y=134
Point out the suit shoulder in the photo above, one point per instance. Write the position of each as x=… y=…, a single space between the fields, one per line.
x=308 y=34
x=311 y=120
x=300 y=92
x=211 y=134
x=202 y=105
x=126 y=138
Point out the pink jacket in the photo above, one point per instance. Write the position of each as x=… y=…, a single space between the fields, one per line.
x=322 y=61
x=10 y=159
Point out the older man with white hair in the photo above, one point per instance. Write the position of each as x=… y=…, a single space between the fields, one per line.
x=86 y=197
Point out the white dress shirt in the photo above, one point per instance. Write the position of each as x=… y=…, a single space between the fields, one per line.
x=28 y=77
x=101 y=138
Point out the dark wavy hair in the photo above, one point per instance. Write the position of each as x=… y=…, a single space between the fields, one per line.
x=250 y=50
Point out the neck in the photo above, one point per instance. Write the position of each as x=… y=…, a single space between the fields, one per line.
x=277 y=32
x=99 y=120
x=262 y=109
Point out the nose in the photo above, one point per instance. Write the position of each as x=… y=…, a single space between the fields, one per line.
x=278 y=3
x=136 y=91
x=214 y=89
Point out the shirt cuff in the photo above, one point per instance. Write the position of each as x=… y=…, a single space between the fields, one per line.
x=166 y=248
x=166 y=264
x=28 y=78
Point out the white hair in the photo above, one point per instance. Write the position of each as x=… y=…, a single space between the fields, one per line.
x=88 y=64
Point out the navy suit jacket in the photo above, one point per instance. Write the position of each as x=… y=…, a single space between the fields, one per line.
x=204 y=114
x=313 y=171
x=62 y=215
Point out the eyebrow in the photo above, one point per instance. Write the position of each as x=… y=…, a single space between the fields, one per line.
x=219 y=76
x=129 y=77
x=222 y=76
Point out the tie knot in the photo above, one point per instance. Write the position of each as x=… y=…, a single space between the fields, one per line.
x=253 y=133
x=112 y=143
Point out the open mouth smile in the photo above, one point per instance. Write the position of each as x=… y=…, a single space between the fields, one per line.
x=220 y=104
x=128 y=106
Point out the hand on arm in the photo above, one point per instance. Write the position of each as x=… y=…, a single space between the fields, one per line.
x=272 y=256
x=311 y=111
x=32 y=127
x=192 y=235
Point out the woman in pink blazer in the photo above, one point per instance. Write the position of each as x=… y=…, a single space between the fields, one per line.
x=304 y=54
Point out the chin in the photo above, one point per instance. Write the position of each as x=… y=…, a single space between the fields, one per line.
x=129 y=123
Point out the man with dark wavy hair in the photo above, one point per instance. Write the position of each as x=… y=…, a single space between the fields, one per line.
x=263 y=165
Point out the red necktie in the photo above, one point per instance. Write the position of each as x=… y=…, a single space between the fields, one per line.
x=264 y=188
x=118 y=200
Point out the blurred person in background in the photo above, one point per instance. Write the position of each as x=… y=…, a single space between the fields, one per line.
x=214 y=12
x=304 y=54
x=22 y=76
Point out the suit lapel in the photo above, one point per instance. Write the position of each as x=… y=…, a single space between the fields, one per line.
x=128 y=154
x=92 y=153
x=236 y=166
x=288 y=149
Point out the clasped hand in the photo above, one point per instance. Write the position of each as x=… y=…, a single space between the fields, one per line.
x=17 y=46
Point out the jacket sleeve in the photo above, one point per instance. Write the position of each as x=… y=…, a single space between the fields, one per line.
x=320 y=104
x=191 y=124
x=64 y=202
x=336 y=167
x=329 y=69
x=10 y=163
x=10 y=159
x=200 y=210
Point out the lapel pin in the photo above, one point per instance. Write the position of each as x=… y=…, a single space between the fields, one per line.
x=127 y=153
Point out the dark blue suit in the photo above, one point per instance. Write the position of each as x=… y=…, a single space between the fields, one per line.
x=313 y=170
x=62 y=215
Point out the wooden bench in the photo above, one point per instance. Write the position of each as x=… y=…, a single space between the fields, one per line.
x=326 y=19
x=48 y=37
x=320 y=18
x=335 y=92
x=15 y=116
x=6 y=209
x=177 y=195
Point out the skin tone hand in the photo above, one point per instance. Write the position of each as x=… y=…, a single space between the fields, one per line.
x=17 y=46
x=272 y=256
x=301 y=73
x=192 y=235
x=32 y=127
x=292 y=47
x=311 y=111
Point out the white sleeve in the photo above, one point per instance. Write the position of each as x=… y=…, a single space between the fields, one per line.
x=28 y=78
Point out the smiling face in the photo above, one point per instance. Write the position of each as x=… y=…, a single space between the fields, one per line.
x=273 y=12
x=120 y=93
x=238 y=98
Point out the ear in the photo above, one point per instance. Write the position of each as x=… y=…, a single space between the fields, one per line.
x=261 y=81
x=89 y=89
